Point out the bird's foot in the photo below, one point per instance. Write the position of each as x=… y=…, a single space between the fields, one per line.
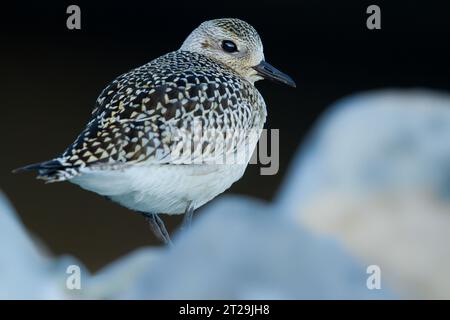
x=158 y=228
x=188 y=214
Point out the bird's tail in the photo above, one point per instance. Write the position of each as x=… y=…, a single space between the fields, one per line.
x=50 y=171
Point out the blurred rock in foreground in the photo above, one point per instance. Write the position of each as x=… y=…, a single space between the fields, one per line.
x=26 y=272
x=243 y=249
x=375 y=174
x=238 y=249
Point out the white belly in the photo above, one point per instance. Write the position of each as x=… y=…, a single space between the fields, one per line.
x=168 y=188
x=162 y=188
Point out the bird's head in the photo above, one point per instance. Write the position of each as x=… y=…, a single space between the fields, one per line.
x=237 y=45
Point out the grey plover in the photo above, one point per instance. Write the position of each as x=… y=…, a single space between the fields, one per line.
x=158 y=135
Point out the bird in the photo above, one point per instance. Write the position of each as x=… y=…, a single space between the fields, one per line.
x=169 y=136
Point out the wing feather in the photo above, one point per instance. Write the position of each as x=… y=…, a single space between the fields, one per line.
x=180 y=108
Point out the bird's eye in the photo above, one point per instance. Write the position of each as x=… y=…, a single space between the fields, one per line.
x=229 y=46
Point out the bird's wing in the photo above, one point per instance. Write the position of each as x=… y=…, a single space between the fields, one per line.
x=184 y=117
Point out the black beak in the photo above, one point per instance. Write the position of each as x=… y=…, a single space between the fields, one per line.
x=266 y=71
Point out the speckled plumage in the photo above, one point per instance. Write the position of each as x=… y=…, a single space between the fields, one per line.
x=171 y=135
x=138 y=117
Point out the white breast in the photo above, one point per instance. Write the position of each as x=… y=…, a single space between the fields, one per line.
x=162 y=188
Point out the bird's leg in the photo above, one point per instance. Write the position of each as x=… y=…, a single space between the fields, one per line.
x=158 y=227
x=187 y=221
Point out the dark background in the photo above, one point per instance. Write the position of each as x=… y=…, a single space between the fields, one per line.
x=51 y=76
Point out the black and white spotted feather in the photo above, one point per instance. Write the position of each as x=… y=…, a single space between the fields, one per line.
x=179 y=108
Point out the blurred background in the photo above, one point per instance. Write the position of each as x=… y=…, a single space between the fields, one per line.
x=51 y=77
